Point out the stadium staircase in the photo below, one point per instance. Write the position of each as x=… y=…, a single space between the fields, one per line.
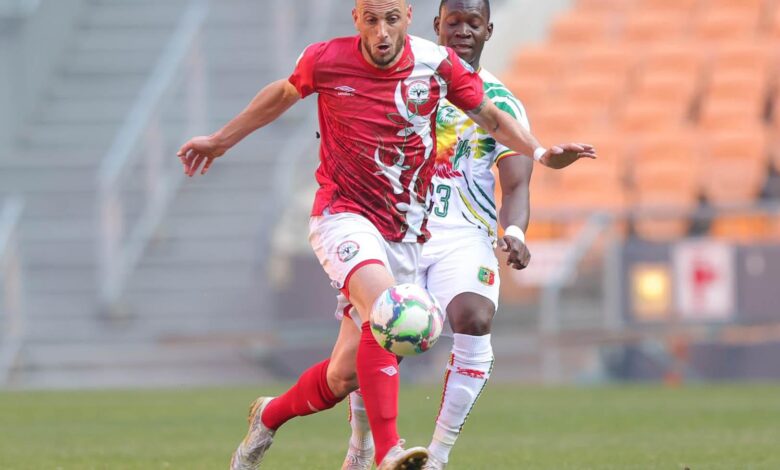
x=198 y=300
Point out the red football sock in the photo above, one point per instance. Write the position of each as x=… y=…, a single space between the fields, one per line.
x=377 y=371
x=310 y=395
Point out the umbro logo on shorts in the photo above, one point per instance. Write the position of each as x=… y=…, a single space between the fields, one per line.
x=348 y=250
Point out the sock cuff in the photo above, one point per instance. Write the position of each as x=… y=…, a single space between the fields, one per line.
x=472 y=348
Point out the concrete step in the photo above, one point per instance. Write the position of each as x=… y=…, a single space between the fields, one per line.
x=96 y=86
x=241 y=371
x=110 y=62
x=151 y=40
x=125 y=15
x=195 y=277
x=69 y=136
x=142 y=353
x=88 y=328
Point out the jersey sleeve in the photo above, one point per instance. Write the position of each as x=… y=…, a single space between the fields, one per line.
x=465 y=88
x=303 y=77
x=506 y=102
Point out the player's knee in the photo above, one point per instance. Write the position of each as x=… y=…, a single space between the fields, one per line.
x=342 y=383
x=471 y=314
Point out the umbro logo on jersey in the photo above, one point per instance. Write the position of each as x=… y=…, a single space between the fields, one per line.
x=345 y=90
x=389 y=370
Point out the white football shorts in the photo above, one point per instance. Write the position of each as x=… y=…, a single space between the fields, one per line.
x=346 y=242
x=455 y=261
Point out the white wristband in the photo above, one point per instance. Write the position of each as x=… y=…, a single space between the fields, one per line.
x=539 y=153
x=515 y=231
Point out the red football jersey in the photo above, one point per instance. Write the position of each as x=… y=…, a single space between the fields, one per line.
x=378 y=128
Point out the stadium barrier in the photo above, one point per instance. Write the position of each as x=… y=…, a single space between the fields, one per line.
x=12 y=321
x=141 y=151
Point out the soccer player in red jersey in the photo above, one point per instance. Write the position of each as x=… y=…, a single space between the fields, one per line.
x=378 y=96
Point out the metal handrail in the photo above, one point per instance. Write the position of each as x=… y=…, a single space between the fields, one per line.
x=12 y=333
x=117 y=257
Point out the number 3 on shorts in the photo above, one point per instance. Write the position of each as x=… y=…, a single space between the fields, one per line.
x=444 y=193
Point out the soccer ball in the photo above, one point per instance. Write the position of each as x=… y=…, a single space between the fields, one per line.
x=406 y=320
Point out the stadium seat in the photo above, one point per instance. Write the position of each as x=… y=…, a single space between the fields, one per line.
x=641 y=117
x=648 y=27
x=540 y=61
x=663 y=216
x=531 y=90
x=606 y=59
x=573 y=28
x=666 y=161
x=734 y=166
x=747 y=85
x=682 y=6
x=729 y=113
x=684 y=58
x=672 y=89
x=558 y=121
x=603 y=5
x=745 y=228
x=746 y=56
x=756 y=6
x=726 y=25
x=596 y=94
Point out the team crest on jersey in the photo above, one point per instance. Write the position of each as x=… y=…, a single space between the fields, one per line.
x=419 y=92
x=486 y=276
x=348 y=250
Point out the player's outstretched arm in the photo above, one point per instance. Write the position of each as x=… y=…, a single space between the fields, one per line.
x=266 y=107
x=515 y=176
x=506 y=130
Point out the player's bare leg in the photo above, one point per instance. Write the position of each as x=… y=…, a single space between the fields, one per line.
x=377 y=371
x=468 y=370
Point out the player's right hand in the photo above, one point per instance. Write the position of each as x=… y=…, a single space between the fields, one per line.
x=199 y=151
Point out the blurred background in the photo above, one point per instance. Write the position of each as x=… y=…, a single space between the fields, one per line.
x=658 y=262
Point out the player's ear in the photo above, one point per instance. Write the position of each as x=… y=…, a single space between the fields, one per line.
x=437 y=26
x=489 y=32
x=409 y=13
x=355 y=18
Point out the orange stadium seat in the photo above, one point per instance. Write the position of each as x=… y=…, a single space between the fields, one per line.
x=683 y=58
x=745 y=56
x=606 y=59
x=573 y=28
x=641 y=117
x=675 y=90
x=531 y=90
x=729 y=113
x=604 y=5
x=734 y=166
x=663 y=215
x=684 y=6
x=558 y=121
x=744 y=228
x=596 y=94
x=666 y=160
x=725 y=25
x=739 y=84
x=756 y=6
x=541 y=61
x=774 y=27
x=647 y=27
x=775 y=134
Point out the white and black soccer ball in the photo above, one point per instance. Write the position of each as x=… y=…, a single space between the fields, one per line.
x=407 y=320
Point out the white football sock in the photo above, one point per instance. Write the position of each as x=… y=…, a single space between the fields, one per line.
x=467 y=373
x=358 y=420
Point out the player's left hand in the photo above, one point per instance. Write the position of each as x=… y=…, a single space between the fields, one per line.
x=561 y=156
x=519 y=256
x=199 y=152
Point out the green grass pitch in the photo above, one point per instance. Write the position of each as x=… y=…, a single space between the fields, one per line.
x=513 y=427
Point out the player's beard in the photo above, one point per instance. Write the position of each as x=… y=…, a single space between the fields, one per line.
x=384 y=61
